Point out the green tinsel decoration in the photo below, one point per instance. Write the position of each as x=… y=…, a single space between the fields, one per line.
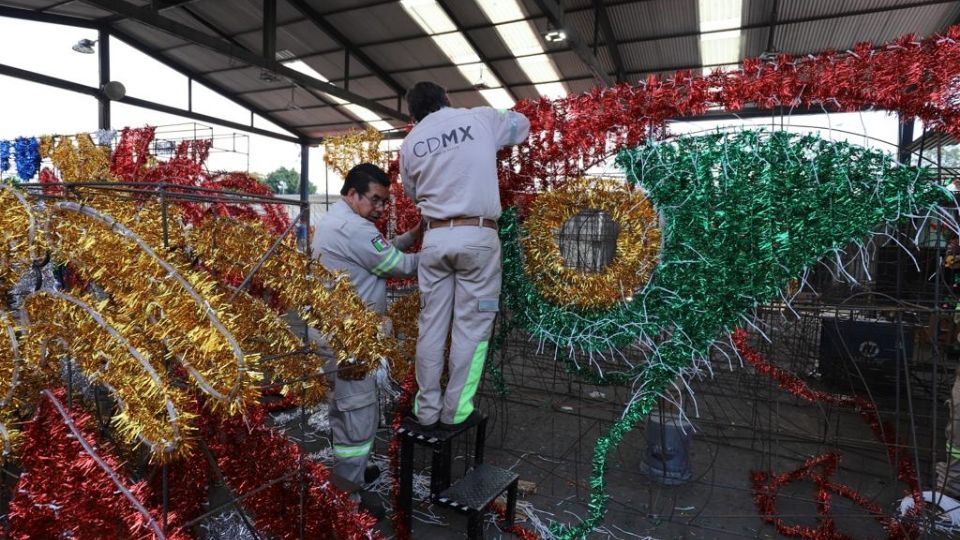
x=744 y=214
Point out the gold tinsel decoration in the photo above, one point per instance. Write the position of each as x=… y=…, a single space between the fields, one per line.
x=637 y=250
x=11 y=375
x=343 y=152
x=182 y=307
x=326 y=300
x=85 y=162
x=46 y=146
x=94 y=159
x=150 y=411
x=19 y=234
x=257 y=326
x=404 y=312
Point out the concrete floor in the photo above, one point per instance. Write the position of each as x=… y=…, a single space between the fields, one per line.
x=546 y=426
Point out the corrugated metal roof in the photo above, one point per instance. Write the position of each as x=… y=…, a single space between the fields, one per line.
x=199 y=60
x=650 y=35
x=74 y=9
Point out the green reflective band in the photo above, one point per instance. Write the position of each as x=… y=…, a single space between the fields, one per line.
x=388 y=262
x=416 y=403
x=352 y=451
x=465 y=407
x=954 y=451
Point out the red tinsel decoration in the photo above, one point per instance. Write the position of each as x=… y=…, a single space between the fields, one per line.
x=273 y=216
x=766 y=485
x=819 y=470
x=65 y=490
x=916 y=78
x=403 y=213
x=132 y=154
x=251 y=455
x=408 y=388
x=47 y=176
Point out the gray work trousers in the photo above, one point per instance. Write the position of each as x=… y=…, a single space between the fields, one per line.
x=459 y=278
x=354 y=415
x=353 y=411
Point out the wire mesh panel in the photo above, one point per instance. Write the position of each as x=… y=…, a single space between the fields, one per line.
x=588 y=240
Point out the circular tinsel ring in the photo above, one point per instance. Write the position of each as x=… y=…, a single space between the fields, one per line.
x=637 y=244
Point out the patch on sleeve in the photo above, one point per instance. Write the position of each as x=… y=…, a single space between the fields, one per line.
x=379 y=243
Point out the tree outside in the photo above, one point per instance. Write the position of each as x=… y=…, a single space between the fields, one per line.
x=284 y=181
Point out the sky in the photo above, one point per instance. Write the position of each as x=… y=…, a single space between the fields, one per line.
x=32 y=109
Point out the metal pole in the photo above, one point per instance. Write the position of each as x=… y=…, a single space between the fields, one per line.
x=103 y=60
x=269 y=30
x=305 y=198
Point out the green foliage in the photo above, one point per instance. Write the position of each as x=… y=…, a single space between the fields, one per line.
x=284 y=181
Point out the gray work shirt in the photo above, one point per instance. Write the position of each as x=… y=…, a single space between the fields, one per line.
x=347 y=242
x=448 y=161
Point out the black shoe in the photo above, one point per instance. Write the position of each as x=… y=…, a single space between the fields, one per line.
x=470 y=420
x=371 y=473
x=423 y=428
x=372 y=507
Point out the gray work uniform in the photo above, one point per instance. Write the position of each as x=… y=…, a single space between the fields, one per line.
x=449 y=167
x=347 y=242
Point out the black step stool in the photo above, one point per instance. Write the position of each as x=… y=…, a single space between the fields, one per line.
x=472 y=494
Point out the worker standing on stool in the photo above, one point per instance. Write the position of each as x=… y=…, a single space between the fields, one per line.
x=448 y=165
x=347 y=240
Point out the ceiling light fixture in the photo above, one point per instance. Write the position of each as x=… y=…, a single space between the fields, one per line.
x=555 y=36
x=85 y=46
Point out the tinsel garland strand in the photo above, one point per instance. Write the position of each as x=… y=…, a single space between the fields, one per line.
x=342 y=152
x=250 y=455
x=144 y=285
x=12 y=371
x=21 y=242
x=766 y=485
x=27 y=157
x=4 y=156
x=273 y=216
x=353 y=332
x=400 y=520
x=72 y=486
x=132 y=155
x=739 y=235
x=150 y=411
x=637 y=244
x=915 y=78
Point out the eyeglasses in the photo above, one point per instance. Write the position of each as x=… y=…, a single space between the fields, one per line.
x=376 y=201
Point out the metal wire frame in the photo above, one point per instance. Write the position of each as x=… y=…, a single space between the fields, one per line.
x=745 y=417
x=166 y=193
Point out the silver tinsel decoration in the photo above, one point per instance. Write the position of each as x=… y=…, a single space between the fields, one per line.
x=226 y=526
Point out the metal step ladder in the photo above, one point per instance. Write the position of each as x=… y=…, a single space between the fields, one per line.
x=470 y=495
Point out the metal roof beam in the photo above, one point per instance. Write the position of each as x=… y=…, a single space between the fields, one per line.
x=554 y=14
x=600 y=12
x=605 y=42
x=269 y=32
x=150 y=18
x=201 y=78
x=31 y=15
x=71 y=86
x=163 y=5
x=476 y=47
x=328 y=28
x=213 y=28
x=773 y=26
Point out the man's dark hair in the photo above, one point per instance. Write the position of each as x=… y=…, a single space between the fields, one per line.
x=359 y=178
x=426 y=97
